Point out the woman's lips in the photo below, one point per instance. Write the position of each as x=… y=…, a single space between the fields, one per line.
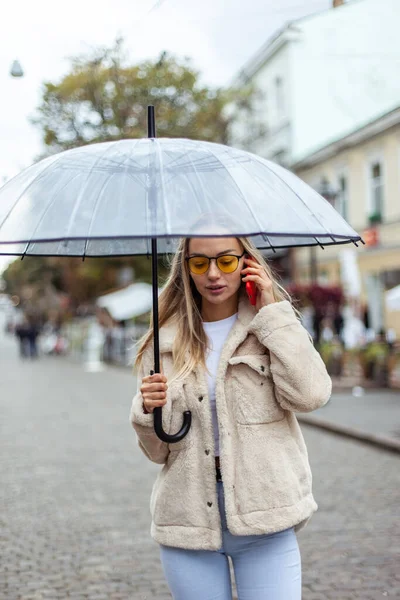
x=216 y=291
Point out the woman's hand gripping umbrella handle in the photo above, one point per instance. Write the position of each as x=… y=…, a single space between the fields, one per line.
x=166 y=437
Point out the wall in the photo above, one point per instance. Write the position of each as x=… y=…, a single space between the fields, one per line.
x=372 y=260
x=274 y=115
x=345 y=66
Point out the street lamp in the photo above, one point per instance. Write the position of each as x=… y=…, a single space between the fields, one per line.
x=16 y=69
x=328 y=192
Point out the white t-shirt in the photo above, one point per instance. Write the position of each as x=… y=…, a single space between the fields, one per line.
x=217 y=332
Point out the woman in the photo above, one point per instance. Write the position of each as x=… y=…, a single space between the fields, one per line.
x=239 y=484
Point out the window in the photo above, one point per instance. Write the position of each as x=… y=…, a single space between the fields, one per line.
x=342 y=196
x=376 y=193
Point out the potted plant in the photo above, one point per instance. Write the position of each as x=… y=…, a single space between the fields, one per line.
x=375 y=218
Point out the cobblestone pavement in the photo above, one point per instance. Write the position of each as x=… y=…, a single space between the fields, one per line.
x=377 y=412
x=74 y=496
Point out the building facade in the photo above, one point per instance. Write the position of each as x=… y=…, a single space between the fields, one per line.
x=362 y=173
x=322 y=77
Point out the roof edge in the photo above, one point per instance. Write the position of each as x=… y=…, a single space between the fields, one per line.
x=272 y=44
x=372 y=128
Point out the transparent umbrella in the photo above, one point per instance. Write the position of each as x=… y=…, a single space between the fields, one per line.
x=139 y=196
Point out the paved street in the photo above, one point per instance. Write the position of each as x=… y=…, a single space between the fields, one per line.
x=376 y=412
x=75 y=489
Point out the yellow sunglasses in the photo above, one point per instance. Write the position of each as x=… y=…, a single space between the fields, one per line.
x=227 y=263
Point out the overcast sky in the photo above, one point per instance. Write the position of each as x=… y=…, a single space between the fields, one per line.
x=219 y=35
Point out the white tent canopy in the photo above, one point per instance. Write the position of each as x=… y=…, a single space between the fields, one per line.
x=393 y=298
x=132 y=301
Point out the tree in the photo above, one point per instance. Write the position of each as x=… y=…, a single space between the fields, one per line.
x=103 y=98
x=82 y=281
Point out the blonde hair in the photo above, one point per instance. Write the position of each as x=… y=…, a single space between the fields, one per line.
x=180 y=302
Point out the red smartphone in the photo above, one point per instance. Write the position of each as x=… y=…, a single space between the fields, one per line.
x=251 y=289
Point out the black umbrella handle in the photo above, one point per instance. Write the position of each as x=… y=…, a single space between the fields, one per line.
x=171 y=438
x=157 y=413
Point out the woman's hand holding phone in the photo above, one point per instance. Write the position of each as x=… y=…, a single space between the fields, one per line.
x=258 y=285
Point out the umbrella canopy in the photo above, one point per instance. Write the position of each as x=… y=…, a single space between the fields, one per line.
x=112 y=198
x=132 y=301
x=140 y=196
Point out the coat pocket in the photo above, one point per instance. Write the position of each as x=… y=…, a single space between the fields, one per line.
x=253 y=390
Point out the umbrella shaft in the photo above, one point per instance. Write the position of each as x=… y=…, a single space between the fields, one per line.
x=154 y=265
x=151 y=122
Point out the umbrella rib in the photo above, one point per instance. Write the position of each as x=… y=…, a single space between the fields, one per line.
x=185 y=164
x=298 y=196
x=162 y=186
x=79 y=199
x=35 y=180
x=95 y=208
x=180 y=157
x=100 y=194
x=196 y=172
x=243 y=197
x=148 y=208
x=48 y=208
x=255 y=178
x=299 y=216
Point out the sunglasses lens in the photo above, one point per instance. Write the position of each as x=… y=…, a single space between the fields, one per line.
x=198 y=264
x=227 y=264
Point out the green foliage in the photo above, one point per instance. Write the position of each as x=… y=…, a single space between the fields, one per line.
x=29 y=272
x=331 y=350
x=83 y=281
x=374 y=218
x=103 y=98
x=376 y=351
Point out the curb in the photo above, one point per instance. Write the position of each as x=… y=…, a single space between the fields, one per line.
x=376 y=440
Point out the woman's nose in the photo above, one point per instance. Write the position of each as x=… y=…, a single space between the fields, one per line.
x=213 y=270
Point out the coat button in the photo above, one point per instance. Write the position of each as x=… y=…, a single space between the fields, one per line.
x=262 y=368
x=209 y=504
x=200 y=398
x=207 y=452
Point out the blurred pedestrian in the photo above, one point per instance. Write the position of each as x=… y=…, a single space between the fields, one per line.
x=32 y=334
x=21 y=331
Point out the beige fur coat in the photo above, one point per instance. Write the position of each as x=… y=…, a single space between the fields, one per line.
x=268 y=370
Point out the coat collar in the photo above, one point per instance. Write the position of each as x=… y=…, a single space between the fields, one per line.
x=246 y=313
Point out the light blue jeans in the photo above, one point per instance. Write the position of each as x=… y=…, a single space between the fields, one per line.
x=266 y=567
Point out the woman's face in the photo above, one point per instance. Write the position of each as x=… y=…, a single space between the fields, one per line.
x=214 y=285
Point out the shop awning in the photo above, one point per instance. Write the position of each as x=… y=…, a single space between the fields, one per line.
x=132 y=301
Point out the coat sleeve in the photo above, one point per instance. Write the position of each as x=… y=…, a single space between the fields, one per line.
x=155 y=449
x=301 y=381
